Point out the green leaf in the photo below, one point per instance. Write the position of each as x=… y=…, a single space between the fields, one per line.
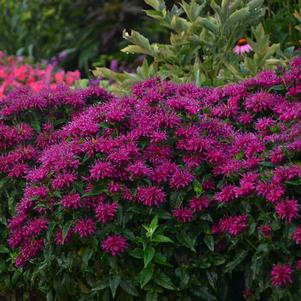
x=209 y=241
x=156 y=4
x=128 y=286
x=149 y=254
x=187 y=241
x=97 y=189
x=197 y=187
x=208 y=25
x=66 y=230
x=151 y=296
x=137 y=253
x=154 y=222
x=234 y=263
x=162 y=238
x=294 y=182
x=3 y=249
x=164 y=281
x=114 y=283
x=102 y=284
x=145 y=276
x=204 y=293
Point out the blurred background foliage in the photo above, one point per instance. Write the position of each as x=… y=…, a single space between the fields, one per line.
x=86 y=29
x=90 y=31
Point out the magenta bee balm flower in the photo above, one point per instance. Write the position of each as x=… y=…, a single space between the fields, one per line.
x=114 y=244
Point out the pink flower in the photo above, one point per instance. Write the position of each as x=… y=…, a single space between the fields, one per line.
x=85 y=227
x=71 y=201
x=59 y=237
x=297 y=235
x=183 y=214
x=247 y=293
x=197 y=204
x=181 y=179
x=298 y=264
x=265 y=230
x=226 y=195
x=102 y=170
x=114 y=244
x=234 y=225
x=281 y=274
x=151 y=195
x=287 y=210
x=106 y=212
x=242 y=46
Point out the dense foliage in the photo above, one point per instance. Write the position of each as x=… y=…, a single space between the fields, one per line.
x=164 y=194
x=201 y=46
x=35 y=101
x=85 y=29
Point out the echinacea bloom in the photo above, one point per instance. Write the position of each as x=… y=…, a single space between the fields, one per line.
x=242 y=46
x=281 y=274
x=114 y=244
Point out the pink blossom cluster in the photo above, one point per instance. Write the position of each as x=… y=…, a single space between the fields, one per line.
x=16 y=72
x=29 y=121
x=229 y=152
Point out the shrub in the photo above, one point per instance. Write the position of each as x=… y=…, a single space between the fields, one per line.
x=38 y=102
x=168 y=193
x=201 y=44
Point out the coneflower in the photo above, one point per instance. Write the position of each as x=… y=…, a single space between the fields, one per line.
x=242 y=46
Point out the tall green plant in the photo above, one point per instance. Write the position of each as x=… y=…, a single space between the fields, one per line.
x=200 y=47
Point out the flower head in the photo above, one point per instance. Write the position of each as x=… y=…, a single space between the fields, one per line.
x=114 y=244
x=242 y=46
x=281 y=274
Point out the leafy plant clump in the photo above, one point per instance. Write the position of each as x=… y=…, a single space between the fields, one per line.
x=201 y=44
x=30 y=115
x=168 y=193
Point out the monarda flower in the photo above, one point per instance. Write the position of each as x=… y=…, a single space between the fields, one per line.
x=197 y=204
x=281 y=274
x=234 y=225
x=287 y=210
x=85 y=227
x=265 y=230
x=102 y=170
x=106 y=212
x=297 y=235
x=227 y=194
x=71 y=201
x=183 y=215
x=181 y=179
x=242 y=47
x=150 y=196
x=114 y=244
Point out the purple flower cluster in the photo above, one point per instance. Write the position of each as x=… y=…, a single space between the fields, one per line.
x=217 y=148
